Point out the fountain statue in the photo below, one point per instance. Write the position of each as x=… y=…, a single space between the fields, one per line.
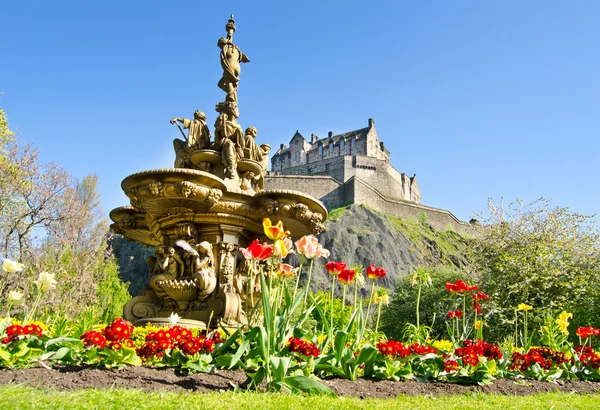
x=200 y=212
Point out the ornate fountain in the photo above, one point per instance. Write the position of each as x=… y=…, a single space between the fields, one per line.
x=199 y=213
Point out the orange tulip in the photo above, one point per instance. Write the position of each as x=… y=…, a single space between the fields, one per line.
x=274 y=232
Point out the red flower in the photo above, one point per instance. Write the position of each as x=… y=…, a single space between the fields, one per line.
x=477 y=307
x=393 y=348
x=460 y=286
x=297 y=345
x=375 y=273
x=118 y=330
x=257 y=250
x=450 y=366
x=335 y=268
x=479 y=296
x=346 y=276
x=586 y=332
x=93 y=338
x=455 y=314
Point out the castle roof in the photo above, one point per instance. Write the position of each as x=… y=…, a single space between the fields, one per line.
x=358 y=134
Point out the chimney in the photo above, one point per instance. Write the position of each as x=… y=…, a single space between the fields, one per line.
x=330 y=134
x=281 y=147
x=371 y=122
x=313 y=138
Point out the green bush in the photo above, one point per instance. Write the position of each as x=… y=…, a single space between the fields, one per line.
x=112 y=292
x=435 y=301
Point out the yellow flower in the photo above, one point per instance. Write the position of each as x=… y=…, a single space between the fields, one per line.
x=445 y=345
x=274 y=232
x=45 y=281
x=563 y=321
x=478 y=324
x=11 y=266
x=16 y=298
x=321 y=338
x=525 y=307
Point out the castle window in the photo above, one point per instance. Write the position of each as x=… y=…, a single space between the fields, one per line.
x=353 y=143
x=342 y=145
x=331 y=146
x=321 y=150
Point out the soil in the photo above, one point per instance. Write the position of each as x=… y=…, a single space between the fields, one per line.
x=167 y=379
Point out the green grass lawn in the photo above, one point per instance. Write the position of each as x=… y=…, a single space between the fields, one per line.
x=20 y=397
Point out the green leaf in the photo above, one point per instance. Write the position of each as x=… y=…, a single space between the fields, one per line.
x=240 y=352
x=308 y=385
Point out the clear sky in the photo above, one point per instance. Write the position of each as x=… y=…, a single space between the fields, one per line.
x=478 y=98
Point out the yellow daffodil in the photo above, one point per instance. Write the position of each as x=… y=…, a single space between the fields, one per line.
x=524 y=307
x=478 y=324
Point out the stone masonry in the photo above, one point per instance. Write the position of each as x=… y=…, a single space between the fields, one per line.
x=352 y=167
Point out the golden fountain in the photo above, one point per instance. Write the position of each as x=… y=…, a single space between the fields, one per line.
x=199 y=213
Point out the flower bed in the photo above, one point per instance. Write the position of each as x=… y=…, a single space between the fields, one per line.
x=280 y=351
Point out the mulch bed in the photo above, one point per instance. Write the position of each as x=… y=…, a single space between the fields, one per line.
x=167 y=379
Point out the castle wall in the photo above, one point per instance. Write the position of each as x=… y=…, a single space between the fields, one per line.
x=334 y=194
x=325 y=188
x=335 y=167
x=439 y=219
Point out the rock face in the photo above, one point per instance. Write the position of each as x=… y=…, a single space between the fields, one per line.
x=359 y=235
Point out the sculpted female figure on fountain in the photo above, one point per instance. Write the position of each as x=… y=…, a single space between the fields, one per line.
x=231 y=57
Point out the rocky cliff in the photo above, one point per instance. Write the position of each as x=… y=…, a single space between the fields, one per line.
x=359 y=235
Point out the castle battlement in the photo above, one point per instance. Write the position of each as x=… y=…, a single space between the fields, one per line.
x=353 y=154
x=353 y=168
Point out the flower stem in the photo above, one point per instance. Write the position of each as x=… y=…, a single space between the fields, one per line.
x=370 y=300
x=29 y=315
x=332 y=295
x=298 y=278
x=310 y=268
x=464 y=314
x=525 y=327
x=343 y=300
x=516 y=328
x=378 y=316
x=418 y=302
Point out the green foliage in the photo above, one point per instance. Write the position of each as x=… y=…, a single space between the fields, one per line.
x=435 y=301
x=112 y=293
x=423 y=222
x=543 y=256
x=450 y=247
x=341 y=317
x=337 y=213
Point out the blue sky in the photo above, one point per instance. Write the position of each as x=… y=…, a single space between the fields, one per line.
x=478 y=98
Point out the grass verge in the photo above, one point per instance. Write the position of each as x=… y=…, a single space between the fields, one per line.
x=22 y=397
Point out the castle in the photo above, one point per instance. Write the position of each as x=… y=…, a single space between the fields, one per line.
x=353 y=167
